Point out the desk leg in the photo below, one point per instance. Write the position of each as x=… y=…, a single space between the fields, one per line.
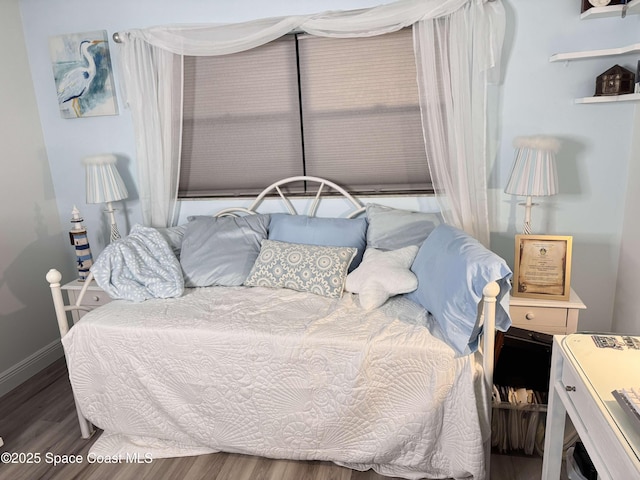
x=556 y=415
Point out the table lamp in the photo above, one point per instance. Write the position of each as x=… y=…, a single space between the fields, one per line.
x=534 y=172
x=105 y=185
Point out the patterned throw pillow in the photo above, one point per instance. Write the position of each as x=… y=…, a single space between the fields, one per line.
x=305 y=268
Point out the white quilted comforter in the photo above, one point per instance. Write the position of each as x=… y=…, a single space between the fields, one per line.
x=279 y=374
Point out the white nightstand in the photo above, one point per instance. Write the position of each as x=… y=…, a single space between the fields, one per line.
x=94 y=296
x=555 y=317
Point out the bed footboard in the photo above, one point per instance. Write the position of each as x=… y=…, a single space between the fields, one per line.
x=54 y=277
x=490 y=294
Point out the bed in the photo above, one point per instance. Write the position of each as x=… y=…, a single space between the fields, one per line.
x=301 y=373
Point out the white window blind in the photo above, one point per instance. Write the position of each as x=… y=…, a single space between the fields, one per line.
x=342 y=109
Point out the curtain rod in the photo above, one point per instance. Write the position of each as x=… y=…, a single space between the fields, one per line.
x=116 y=36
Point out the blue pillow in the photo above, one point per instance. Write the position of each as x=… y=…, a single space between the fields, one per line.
x=328 y=232
x=392 y=228
x=221 y=251
x=452 y=269
x=174 y=236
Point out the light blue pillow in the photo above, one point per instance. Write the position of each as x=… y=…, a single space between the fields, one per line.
x=452 y=269
x=174 y=236
x=333 y=232
x=392 y=228
x=221 y=251
x=306 y=268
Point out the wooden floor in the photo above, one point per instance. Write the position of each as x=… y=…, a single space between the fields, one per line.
x=39 y=418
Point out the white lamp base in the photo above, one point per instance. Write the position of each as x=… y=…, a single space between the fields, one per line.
x=115 y=234
x=526 y=227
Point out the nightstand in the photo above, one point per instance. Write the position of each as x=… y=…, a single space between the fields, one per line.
x=555 y=317
x=94 y=297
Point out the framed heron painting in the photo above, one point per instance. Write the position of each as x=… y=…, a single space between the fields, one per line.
x=83 y=74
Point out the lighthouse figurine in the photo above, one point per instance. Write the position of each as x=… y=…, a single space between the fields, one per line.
x=79 y=239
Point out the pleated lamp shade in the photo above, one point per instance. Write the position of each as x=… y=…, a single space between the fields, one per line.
x=534 y=170
x=104 y=183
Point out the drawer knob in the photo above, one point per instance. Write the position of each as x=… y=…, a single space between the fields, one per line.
x=96 y=298
x=570 y=388
x=530 y=315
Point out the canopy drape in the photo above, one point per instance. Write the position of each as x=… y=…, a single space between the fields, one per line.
x=457 y=46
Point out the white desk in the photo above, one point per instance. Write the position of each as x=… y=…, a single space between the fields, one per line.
x=582 y=379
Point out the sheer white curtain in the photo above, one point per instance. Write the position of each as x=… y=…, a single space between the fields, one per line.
x=457 y=56
x=153 y=89
x=152 y=82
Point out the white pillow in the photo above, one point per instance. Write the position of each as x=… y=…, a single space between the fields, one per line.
x=383 y=274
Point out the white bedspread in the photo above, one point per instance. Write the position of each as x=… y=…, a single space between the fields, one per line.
x=279 y=374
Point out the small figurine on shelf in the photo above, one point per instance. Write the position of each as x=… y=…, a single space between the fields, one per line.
x=79 y=239
x=615 y=81
x=587 y=4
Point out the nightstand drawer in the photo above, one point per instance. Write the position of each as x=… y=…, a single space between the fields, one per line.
x=552 y=320
x=95 y=298
x=92 y=298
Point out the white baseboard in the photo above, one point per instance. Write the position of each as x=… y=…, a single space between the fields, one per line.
x=24 y=370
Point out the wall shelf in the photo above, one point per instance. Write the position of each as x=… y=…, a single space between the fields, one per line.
x=631 y=97
x=608 y=52
x=633 y=8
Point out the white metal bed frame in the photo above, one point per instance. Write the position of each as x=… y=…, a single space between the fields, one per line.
x=488 y=311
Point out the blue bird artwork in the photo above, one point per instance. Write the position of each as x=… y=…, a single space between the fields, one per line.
x=83 y=74
x=76 y=82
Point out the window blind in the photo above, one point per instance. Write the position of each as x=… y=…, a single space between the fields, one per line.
x=362 y=124
x=342 y=109
x=241 y=121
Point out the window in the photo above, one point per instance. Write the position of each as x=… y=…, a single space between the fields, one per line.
x=342 y=109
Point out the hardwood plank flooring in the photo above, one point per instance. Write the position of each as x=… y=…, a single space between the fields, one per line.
x=39 y=417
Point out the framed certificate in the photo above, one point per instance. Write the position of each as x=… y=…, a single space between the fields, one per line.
x=542 y=267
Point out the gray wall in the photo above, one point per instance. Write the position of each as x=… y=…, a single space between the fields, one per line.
x=31 y=236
